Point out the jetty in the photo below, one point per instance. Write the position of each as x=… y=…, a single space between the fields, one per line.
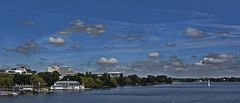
x=8 y=93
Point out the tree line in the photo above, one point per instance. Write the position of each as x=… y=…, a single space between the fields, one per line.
x=89 y=80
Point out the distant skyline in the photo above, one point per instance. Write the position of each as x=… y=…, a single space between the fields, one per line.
x=179 y=38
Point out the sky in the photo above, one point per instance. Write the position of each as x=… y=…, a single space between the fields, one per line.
x=178 y=38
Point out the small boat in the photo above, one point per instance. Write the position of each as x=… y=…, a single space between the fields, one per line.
x=208 y=83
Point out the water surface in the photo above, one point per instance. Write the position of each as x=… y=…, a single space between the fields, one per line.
x=177 y=93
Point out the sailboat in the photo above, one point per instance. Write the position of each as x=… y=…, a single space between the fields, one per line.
x=209 y=84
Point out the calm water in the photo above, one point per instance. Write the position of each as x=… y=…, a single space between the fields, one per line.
x=181 y=93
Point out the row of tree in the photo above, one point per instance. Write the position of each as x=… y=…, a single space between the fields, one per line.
x=94 y=81
x=223 y=79
x=41 y=79
x=89 y=80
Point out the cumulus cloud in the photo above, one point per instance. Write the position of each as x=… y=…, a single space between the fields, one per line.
x=79 y=26
x=174 y=60
x=194 y=32
x=77 y=45
x=56 y=41
x=120 y=46
x=107 y=61
x=28 y=22
x=131 y=36
x=204 y=14
x=170 y=44
x=219 y=59
x=153 y=54
x=29 y=47
x=174 y=65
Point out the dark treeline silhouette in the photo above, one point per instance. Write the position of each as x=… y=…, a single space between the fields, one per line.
x=223 y=79
x=89 y=80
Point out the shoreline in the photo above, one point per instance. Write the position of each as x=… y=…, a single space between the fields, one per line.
x=180 y=85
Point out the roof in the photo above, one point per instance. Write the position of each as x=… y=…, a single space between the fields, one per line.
x=67 y=82
x=114 y=72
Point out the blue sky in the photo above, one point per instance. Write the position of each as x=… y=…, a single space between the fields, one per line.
x=181 y=38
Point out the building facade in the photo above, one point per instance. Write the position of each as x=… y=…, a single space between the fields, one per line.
x=67 y=85
x=62 y=70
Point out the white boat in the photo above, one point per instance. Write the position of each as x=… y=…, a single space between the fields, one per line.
x=208 y=83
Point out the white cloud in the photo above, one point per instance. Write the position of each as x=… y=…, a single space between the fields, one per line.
x=107 y=61
x=170 y=44
x=77 y=46
x=28 y=47
x=204 y=14
x=225 y=56
x=153 y=54
x=221 y=58
x=79 y=26
x=214 y=60
x=56 y=41
x=193 y=32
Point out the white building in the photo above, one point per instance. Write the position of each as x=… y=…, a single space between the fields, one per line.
x=62 y=70
x=114 y=74
x=20 y=70
x=67 y=85
x=14 y=71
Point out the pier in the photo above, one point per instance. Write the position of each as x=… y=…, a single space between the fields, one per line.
x=8 y=92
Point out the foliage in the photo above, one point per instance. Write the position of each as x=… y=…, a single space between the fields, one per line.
x=49 y=78
x=21 y=79
x=88 y=82
x=37 y=81
x=98 y=83
x=6 y=80
x=72 y=78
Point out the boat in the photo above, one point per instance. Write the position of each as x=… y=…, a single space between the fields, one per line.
x=208 y=83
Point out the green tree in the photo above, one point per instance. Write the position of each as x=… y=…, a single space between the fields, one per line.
x=127 y=81
x=144 y=82
x=121 y=80
x=49 y=78
x=162 y=79
x=98 y=83
x=113 y=82
x=6 y=80
x=151 y=80
x=21 y=79
x=88 y=82
x=37 y=81
x=135 y=80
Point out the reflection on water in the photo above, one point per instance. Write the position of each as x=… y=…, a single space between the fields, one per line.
x=177 y=93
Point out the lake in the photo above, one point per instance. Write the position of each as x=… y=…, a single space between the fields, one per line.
x=176 y=93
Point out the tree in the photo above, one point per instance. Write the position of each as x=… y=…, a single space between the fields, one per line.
x=151 y=79
x=162 y=79
x=144 y=81
x=113 y=83
x=127 y=81
x=49 y=78
x=135 y=80
x=21 y=79
x=6 y=80
x=121 y=80
x=37 y=81
x=98 y=83
x=88 y=82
